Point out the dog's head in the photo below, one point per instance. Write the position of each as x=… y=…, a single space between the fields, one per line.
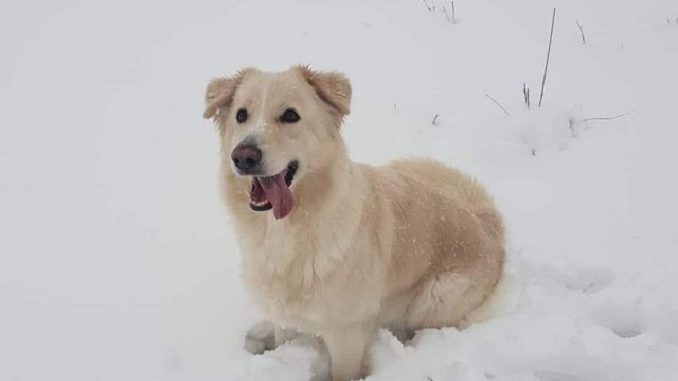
x=278 y=127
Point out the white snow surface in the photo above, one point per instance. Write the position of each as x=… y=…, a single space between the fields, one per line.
x=117 y=257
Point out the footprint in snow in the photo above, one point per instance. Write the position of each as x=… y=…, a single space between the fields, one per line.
x=589 y=281
x=625 y=321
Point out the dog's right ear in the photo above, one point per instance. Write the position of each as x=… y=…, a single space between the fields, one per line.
x=220 y=92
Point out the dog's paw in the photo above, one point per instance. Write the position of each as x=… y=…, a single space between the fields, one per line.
x=260 y=338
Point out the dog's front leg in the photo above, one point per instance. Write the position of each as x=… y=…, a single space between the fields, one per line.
x=265 y=336
x=348 y=348
x=283 y=335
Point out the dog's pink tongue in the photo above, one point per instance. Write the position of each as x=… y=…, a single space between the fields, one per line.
x=278 y=194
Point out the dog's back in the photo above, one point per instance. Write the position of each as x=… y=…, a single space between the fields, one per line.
x=448 y=241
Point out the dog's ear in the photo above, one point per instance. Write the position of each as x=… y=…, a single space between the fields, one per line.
x=220 y=92
x=332 y=87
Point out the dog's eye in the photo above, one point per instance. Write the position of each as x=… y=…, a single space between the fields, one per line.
x=241 y=115
x=289 y=116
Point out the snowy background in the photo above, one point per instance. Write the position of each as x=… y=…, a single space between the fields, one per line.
x=117 y=258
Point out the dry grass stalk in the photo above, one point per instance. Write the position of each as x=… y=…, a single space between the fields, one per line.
x=581 y=30
x=548 y=57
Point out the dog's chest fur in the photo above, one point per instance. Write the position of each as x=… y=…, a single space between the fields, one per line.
x=292 y=271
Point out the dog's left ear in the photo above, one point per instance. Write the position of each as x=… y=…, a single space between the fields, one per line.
x=220 y=92
x=332 y=87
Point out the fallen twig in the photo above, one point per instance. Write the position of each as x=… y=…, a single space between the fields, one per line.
x=574 y=121
x=498 y=104
x=609 y=117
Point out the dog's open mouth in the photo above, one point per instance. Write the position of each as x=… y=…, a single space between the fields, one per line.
x=273 y=192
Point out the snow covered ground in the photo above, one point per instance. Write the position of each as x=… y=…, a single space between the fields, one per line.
x=117 y=260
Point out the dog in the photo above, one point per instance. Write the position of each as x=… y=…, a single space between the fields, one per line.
x=339 y=249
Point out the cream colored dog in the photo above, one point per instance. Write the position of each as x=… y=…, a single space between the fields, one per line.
x=339 y=249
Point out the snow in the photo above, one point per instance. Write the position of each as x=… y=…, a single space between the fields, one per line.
x=118 y=261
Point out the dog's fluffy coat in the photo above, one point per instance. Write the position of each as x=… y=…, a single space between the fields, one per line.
x=407 y=246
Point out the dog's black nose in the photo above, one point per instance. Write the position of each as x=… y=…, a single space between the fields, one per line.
x=246 y=157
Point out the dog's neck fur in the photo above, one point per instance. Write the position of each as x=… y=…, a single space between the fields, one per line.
x=321 y=187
